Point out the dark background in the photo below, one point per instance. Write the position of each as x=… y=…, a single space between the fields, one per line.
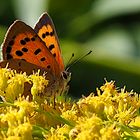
x=111 y=29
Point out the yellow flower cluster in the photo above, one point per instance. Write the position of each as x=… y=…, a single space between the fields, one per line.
x=110 y=115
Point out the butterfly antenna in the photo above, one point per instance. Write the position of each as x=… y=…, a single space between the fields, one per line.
x=70 y=60
x=77 y=60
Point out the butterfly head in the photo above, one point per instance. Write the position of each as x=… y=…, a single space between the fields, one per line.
x=66 y=76
x=64 y=82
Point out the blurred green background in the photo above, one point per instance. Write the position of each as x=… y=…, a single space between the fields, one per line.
x=111 y=29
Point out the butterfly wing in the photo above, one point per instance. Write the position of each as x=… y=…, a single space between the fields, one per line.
x=46 y=31
x=21 y=42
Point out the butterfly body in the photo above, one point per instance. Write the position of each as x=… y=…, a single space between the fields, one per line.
x=27 y=50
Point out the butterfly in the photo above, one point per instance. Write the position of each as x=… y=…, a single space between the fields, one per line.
x=27 y=50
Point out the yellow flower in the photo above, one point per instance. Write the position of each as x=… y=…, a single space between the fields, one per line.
x=110 y=133
x=18 y=125
x=4 y=76
x=10 y=117
x=72 y=114
x=92 y=104
x=60 y=133
x=39 y=84
x=112 y=114
x=109 y=89
x=22 y=131
x=135 y=124
x=15 y=87
x=88 y=128
x=26 y=108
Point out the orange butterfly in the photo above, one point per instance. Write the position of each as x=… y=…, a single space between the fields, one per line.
x=28 y=50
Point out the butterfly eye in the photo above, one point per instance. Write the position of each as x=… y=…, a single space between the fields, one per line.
x=64 y=75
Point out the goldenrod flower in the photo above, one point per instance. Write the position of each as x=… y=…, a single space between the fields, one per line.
x=18 y=129
x=26 y=108
x=15 y=87
x=60 y=133
x=112 y=114
x=110 y=132
x=88 y=128
x=4 y=76
x=39 y=84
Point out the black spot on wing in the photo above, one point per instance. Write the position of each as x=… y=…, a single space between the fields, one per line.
x=24 y=49
x=33 y=38
x=43 y=59
x=37 y=51
x=52 y=33
x=51 y=47
x=27 y=39
x=43 y=35
x=47 y=33
x=54 y=54
x=19 y=53
x=22 y=42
